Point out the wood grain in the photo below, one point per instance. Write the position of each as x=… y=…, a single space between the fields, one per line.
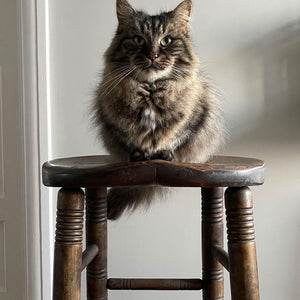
x=95 y=171
x=212 y=234
x=88 y=255
x=96 y=234
x=154 y=284
x=241 y=244
x=68 y=245
x=221 y=255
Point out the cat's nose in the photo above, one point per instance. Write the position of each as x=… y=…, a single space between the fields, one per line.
x=153 y=56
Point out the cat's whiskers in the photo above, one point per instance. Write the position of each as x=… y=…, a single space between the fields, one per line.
x=106 y=77
x=138 y=72
x=122 y=78
x=112 y=81
x=176 y=74
x=181 y=70
x=117 y=73
x=116 y=70
x=179 y=73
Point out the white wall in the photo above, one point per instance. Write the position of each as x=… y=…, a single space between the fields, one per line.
x=252 y=51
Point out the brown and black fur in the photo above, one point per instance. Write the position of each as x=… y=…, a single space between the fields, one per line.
x=152 y=103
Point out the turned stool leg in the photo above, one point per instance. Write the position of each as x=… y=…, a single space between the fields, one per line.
x=212 y=234
x=241 y=244
x=96 y=233
x=68 y=244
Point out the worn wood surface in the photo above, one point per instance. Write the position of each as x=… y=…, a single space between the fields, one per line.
x=212 y=234
x=88 y=255
x=221 y=255
x=241 y=244
x=68 y=245
x=96 y=234
x=95 y=171
x=154 y=284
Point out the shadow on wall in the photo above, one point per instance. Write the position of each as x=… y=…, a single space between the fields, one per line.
x=262 y=92
x=281 y=74
x=261 y=85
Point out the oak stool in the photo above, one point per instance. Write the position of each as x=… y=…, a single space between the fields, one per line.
x=96 y=173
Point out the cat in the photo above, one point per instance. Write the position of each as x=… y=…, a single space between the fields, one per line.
x=152 y=103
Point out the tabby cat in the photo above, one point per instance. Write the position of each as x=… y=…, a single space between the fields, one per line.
x=152 y=102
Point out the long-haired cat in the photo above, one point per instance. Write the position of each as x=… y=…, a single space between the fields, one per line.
x=152 y=103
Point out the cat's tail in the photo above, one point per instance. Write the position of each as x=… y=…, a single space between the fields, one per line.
x=121 y=199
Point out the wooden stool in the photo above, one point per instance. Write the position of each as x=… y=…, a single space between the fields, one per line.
x=96 y=173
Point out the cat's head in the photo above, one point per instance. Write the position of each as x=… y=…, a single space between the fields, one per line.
x=153 y=47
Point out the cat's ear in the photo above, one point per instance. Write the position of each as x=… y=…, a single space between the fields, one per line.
x=183 y=10
x=124 y=10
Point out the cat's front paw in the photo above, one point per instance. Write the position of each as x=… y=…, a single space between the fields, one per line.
x=163 y=154
x=137 y=155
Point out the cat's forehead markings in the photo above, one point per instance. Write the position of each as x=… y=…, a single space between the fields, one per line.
x=152 y=24
x=132 y=32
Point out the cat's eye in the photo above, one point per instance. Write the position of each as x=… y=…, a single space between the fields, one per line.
x=166 y=41
x=139 y=40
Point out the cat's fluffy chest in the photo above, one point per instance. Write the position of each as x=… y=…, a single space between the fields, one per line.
x=152 y=99
x=148 y=100
x=154 y=94
x=151 y=107
x=148 y=118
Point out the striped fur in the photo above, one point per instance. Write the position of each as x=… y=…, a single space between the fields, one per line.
x=152 y=103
